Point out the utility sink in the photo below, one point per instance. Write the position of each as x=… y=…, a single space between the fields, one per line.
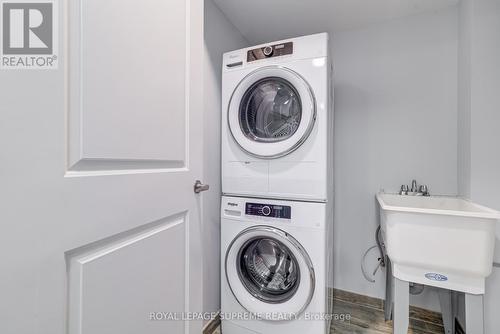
x=446 y=242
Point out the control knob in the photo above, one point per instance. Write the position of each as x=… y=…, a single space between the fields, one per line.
x=268 y=51
x=266 y=210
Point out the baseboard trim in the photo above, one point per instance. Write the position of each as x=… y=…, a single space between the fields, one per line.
x=212 y=325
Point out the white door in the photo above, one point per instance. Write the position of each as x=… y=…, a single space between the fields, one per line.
x=100 y=226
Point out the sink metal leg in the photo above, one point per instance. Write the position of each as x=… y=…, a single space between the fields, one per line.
x=401 y=306
x=446 y=310
x=388 y=290
x=474 y=314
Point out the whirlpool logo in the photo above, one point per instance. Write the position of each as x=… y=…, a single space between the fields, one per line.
x=29 y=34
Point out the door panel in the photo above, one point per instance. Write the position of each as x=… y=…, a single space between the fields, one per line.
x=112 y=273
x=100 y=224
x=127 y=82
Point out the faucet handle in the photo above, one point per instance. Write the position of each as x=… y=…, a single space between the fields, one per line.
x=404 y=190
x=424 y=190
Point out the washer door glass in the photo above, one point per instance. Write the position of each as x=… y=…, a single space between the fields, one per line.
x=270 y=110
x=268 y=270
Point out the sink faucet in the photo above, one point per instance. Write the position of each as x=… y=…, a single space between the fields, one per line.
x=415 y=190
x=414 y=187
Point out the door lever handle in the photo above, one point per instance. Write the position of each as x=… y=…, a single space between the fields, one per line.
x=199 y=187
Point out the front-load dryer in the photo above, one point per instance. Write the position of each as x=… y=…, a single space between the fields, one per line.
x=277 y=120
x=276 y=266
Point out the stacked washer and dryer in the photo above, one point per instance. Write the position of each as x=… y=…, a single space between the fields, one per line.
x=277 y=185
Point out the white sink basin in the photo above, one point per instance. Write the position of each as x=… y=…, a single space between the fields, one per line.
x=441 y=241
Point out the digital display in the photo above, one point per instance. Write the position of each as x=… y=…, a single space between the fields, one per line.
x=268 y=210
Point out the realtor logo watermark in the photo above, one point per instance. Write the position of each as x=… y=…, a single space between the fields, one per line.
x=29 y=34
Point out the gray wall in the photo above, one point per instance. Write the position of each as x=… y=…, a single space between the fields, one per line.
x=464 y=97
x=395 y=119
x=479 y=122
x=220 y=36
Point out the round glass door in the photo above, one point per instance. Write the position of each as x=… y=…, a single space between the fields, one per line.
x=271 y=112
x=268 y=270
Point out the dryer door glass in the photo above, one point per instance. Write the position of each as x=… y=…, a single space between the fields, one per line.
x=268 y=270
x=270 y=110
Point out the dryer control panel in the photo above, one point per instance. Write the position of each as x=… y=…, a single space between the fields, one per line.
x=268 y=210
x=270 y=51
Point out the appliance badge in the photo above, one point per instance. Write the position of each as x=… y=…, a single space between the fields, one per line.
x=436 y=277
x=232 y=204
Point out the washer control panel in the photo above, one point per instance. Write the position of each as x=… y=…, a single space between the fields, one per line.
x=268 y=210
x=269 y=51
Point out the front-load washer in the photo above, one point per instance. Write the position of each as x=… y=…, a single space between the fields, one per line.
x=276 y=266
x=277 y=120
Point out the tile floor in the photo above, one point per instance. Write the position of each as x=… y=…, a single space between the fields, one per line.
x=367 y=317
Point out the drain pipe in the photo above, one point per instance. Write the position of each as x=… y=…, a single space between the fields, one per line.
x=379 y=245
x=365 y=274
x=381 y=259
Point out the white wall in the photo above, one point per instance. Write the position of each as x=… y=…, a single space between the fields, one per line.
x=479 y=119
x=220 y=36
x=395 y=119
x=464 y=98
x=485 y=104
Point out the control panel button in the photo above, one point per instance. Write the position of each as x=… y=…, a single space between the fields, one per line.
x=266 y=211
x=268 y=51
